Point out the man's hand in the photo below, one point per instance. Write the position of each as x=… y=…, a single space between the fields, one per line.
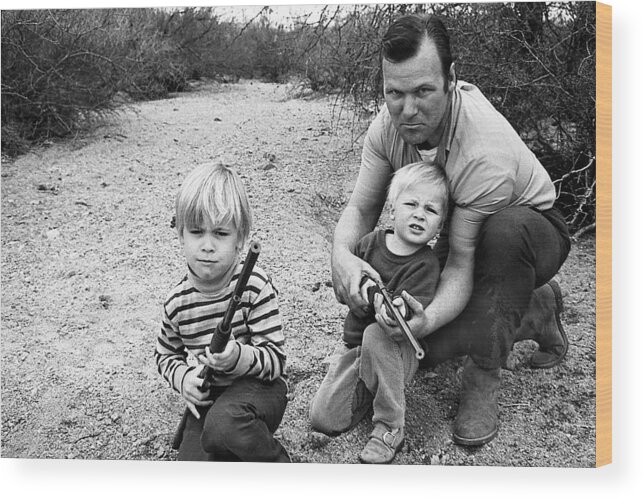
x=223 y=361
x=348 y=271
x=417 y=322
x=190 y=390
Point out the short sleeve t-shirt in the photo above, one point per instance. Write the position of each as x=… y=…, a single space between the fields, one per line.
x=488 y=166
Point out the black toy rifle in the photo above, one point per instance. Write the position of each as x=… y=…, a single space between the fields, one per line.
x=222 y=334
x=392 y=310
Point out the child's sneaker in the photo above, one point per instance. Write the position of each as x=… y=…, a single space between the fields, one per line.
x=383 y=445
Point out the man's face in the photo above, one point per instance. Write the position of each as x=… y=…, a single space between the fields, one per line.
x=415 y=95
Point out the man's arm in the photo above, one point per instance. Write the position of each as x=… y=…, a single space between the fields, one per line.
x=359 y=218
x=348 y=269
x=456 y=280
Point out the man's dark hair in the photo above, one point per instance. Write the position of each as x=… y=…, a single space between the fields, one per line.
x=404 y=37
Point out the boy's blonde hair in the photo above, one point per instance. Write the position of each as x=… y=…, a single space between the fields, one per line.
x=416 y=173
x=214 y=193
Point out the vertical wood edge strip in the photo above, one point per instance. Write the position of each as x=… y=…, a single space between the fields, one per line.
x=603 y=234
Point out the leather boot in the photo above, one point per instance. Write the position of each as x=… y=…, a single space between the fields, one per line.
x=542 y=324
x=477 y=419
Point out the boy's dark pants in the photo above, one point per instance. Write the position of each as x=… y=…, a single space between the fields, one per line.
x=239 y=426
x=519 y=249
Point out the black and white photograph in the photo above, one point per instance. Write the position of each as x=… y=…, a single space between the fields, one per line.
x=307 y=234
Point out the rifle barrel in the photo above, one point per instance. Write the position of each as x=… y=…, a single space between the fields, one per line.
x=222 y=333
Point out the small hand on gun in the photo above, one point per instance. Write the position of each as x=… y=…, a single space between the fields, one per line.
x=393 y=311
x=195 y=387
x=221 y=355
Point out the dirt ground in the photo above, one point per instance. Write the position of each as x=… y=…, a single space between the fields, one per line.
x=88 y=256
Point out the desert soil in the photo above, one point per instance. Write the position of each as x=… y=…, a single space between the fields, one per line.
x=88 y=256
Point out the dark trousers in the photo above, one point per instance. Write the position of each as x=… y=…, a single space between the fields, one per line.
x=239 y=426
x=518 y=250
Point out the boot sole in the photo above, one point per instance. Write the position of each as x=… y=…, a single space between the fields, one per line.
x=558 y=296
x=475 y=442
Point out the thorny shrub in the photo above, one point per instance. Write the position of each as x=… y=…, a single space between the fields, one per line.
x=535 y=62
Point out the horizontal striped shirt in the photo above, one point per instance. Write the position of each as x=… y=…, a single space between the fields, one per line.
x=190 y=318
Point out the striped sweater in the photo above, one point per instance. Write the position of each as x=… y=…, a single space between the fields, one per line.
x=190 y=317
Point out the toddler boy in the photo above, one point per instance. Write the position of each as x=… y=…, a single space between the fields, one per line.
x=374 y=368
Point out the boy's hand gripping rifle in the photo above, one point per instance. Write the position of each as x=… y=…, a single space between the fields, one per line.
x=392 y=310
x=222 y=334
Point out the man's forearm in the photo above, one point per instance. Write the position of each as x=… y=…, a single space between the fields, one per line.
x=351 y=227
x=456 y=280
x=452 y=296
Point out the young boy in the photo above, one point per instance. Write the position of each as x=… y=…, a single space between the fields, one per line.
x=375 y=368
x=234 y=420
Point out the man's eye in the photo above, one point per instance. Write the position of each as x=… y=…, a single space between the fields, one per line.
x=424 y=91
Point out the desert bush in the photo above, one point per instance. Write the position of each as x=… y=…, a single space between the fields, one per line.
x=63 y=68
x=534 y=61
x=54 y=71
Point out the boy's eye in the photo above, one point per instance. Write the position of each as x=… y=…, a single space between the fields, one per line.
x=195 y=230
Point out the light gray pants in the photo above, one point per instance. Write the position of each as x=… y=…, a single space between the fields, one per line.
x=372 y=374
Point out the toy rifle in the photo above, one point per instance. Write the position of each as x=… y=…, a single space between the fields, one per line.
x=222 y=333
x=392 y=310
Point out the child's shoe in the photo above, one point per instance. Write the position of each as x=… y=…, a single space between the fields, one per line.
x=383 y=445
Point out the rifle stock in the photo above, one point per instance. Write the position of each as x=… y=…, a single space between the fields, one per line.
x=222 y=333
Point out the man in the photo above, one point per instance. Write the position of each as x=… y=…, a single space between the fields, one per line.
x=505 y=239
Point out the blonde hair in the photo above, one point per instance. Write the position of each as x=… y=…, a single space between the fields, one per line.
x=214 y=193
x=421 y=172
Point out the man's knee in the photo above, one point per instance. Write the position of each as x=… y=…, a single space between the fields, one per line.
x=504 y=229
x=503 y=246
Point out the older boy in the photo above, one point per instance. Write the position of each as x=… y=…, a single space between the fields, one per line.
x=235 y=419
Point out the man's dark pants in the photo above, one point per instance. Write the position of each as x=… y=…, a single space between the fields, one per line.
x=519 y=249
x=239 y=426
